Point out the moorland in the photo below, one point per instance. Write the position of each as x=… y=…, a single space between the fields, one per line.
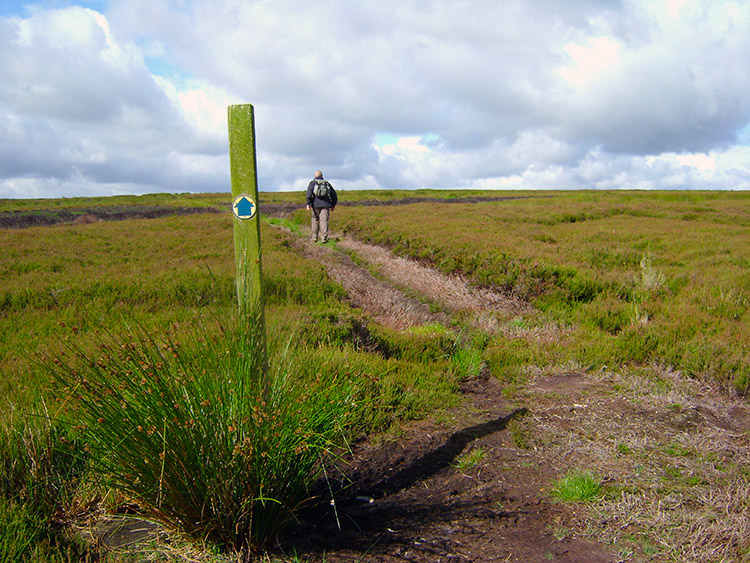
x=527 y=375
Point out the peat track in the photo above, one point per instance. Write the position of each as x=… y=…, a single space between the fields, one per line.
x=405 y=499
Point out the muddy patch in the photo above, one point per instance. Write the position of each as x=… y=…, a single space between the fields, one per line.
x=416 y=499
x=50 y=217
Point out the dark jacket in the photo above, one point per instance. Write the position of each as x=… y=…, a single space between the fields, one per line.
x=318 y=202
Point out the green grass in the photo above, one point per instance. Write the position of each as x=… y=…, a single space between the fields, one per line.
x=153 y=200
x=42 y=465
x=470 y=459
x=577 y=486
x=638 y=280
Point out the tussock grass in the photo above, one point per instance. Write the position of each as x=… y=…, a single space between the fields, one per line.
x=577 y=486
x=189 y=431
x=150 y=282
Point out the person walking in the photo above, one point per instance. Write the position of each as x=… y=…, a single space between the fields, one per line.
x=321 y=199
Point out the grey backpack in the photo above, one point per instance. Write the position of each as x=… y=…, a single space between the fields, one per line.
x=322 y=188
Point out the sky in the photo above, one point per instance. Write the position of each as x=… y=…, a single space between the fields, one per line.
x=130 y=96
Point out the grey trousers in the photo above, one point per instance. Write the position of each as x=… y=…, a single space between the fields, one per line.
x=319 y=223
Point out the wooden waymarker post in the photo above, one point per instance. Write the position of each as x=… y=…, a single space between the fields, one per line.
x=247 y=253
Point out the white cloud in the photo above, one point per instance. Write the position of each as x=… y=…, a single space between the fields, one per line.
x=674 y=82
x=590 y=62
x=532 y=94
x=202 y=106
x=404 y=148
x=702 y=162
x=80 y=109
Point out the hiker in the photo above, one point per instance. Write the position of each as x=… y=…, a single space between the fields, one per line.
x=321 y=199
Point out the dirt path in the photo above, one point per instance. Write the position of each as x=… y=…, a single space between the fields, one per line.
x=406 y=294
x=406 y=499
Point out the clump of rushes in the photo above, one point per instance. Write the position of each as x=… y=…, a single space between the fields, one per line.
x=198 y=438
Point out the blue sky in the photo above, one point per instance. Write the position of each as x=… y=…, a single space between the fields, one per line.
x=130 y=96
x=22 y=7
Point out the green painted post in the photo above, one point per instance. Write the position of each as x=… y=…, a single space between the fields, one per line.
x=246 y=217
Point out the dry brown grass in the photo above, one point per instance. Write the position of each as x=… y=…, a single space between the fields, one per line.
x=454 y=292
x=674 y=454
